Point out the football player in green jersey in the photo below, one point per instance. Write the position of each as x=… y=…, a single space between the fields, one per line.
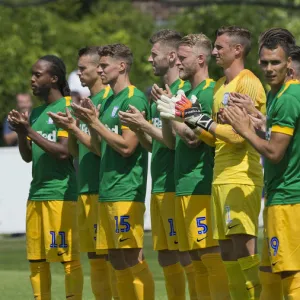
x=163 y=59
x=51 y=217
x=88 y=173
x=193 y=174
x=281 y=151
x=123 y=174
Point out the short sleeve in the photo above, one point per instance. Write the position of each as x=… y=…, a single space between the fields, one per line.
x=285 y=114
x=206 y=100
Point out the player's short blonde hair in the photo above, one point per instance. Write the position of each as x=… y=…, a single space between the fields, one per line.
x=200 y=41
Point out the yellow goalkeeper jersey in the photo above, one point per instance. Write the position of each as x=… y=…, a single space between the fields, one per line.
x=238 y=163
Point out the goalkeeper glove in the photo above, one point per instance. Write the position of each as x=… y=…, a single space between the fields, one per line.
x=166 y=106
x=190 y=111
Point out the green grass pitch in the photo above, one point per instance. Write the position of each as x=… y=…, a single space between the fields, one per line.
x=14 y=272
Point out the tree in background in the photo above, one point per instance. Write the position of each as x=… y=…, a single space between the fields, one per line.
x=61 y=28
x=255 y=18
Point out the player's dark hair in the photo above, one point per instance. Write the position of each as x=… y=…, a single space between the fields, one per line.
x=238 y=34
x=118 y=51
x=274 y=37
x=295 y=56
x=58 y=68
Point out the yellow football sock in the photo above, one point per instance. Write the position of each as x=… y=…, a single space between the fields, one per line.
x=175 y=282
x=190 y=275
x=113 y=281
x=40 y=278
x=125 y=284
x=291 y=287
x=236 y=281
x=100 y=279
x=250 y=267
x=73 y=280
x=201 y=280
x=143 y=281
x=217 y=276
x=271 y=286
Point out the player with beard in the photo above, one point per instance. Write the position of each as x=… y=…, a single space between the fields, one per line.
x=163 y=59
x=193 y=174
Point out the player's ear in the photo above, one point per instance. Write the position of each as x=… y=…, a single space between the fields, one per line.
x=172 y=57
x=238 y=49
x=122 y=66
x=201 y=59
x=54 y=79
x=289 y=63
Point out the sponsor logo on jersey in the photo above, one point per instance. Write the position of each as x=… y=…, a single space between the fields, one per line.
x=114 y=111
x=157 y=122
x=84 y=128
x=49 y=136
x=50 y=121
x=225 y=99
x=115 y=129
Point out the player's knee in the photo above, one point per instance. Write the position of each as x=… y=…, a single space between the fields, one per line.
x=244 y=245
x=194 y=255
x=184 y=258
x=117 y=259
x=167 y=257
x=227 y=251
x=133 y=256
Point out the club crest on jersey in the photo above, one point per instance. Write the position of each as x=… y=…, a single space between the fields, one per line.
x=114 y=111
x=50 y=121
x=225 y=99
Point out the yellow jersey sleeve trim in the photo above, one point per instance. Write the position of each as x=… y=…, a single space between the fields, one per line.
x=207 y=83
x=181 y=84
x=207 y=138
x=286 y=86
x=68 y=100
x=62 y=133
x=281 y=129
x=124 y=127
x=131 y=91
x=28 y=138
x=106 y=92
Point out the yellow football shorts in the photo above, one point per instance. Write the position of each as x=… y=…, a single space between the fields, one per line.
x=283 y=236
x=52 y=230
x=87 y=222
x=120 y=225
x=163 y=221
x=235 y=209
x=193 y=222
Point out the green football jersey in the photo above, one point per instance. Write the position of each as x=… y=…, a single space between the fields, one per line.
x=122 y=179
x=162 y=159
x=89 y=162
x=52 y=179
x=282 y=180
x=194 y=166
